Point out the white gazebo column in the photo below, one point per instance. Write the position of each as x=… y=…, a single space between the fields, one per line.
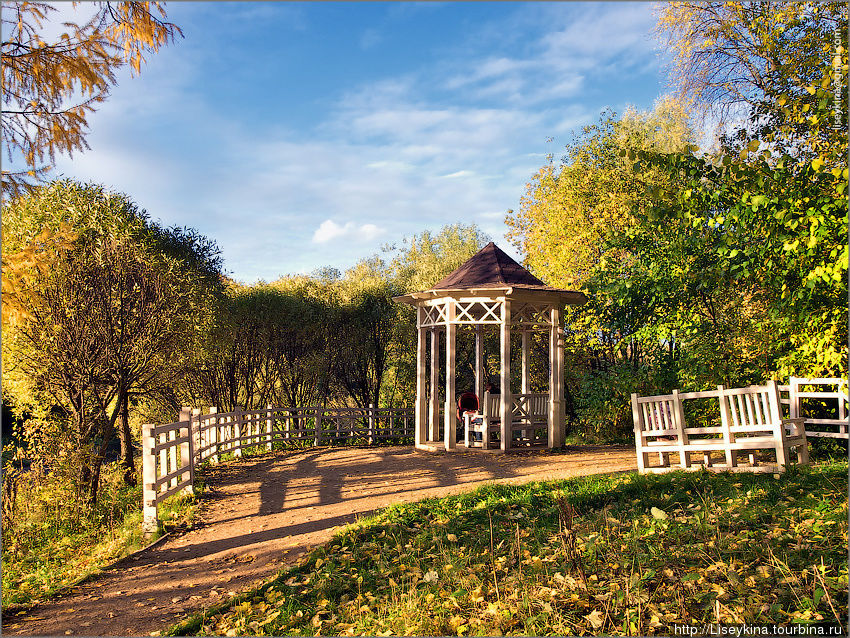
x=556 y=380
x=449 y=425
x=479 y=364
x=505 y=357
x=421 y=414
x=434 y=404
x=525 y=367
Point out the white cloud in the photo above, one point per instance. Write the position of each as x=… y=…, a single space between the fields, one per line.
x=329 y=231
x=457 y=174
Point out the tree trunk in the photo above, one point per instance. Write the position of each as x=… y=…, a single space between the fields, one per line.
x=126 y=442
x=93 y=480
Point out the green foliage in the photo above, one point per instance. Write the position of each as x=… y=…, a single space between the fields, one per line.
x=425 y=259
x=728 y=267
x=624 y=555
x=268 y=344
x=568 y=218
x=103 y=314
x=761 y=228
x=49 y=545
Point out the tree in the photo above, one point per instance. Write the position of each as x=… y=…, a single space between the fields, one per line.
x=424 y=259
x=107 y=321
x=566 y=221
x=739 y=54
x=270 y=345
x=50 y=88
x=770 y=208
x=568 y=211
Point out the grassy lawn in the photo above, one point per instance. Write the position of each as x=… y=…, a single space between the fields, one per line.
x=49 y=546
x=623 y=554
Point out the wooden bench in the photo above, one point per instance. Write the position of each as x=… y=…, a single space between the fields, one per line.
x=530 y=421
x=750 y=421
x=530 y=415
x=486 y=423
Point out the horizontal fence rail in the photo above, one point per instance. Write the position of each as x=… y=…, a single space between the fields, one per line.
x=171 y=452
x=823 y=403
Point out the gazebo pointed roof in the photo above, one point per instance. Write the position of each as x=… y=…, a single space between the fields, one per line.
x=490 y=266
x=490 y=271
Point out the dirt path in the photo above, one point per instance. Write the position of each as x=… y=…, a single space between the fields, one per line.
x=258 y=514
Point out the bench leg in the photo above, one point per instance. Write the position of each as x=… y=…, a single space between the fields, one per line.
x=642 y=460
x=803 y=454
x=754 y=459
x=782 y=457
x=706 y=459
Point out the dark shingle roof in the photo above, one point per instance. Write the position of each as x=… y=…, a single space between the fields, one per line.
x=489 y=267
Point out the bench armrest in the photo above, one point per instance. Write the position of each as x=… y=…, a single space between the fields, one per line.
x=797 y=425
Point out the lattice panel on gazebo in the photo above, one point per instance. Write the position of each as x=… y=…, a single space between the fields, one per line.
x=478 y=312
x=531 y=315
x=434 y=316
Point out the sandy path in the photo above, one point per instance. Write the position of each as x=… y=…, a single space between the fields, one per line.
x=258 y=514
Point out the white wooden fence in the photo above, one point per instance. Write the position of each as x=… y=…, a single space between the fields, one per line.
x=827 y=398
x=171 y=452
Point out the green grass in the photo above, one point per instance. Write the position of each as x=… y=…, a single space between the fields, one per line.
x=51 y=542
x=623 y=554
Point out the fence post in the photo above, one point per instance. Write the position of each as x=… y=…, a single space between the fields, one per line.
x=679 y=420
x=793 y=405
x=186 y=449
x=163 y=454
x=197 y=442
x=212 y=435
x=371 y=433
x=726 y=423
x=269 y=420
x=149 y=520
x=782 y=455
x=318 y=440
x=237 y=432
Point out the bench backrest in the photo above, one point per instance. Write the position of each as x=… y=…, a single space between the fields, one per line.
x=492 y=405
x=655 y=414
x=532 y=406
x=658 y=416
x=751 y=411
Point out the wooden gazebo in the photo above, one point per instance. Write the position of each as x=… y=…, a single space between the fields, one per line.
x=489 y=290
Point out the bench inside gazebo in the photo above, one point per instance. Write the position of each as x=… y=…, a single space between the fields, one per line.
x=489 y=292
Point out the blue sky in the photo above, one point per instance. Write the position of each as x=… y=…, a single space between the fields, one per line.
x=301 y=135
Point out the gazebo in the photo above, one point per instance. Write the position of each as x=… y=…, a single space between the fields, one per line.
x=489 y=291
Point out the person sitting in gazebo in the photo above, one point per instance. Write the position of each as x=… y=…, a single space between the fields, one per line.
x=469 y=404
